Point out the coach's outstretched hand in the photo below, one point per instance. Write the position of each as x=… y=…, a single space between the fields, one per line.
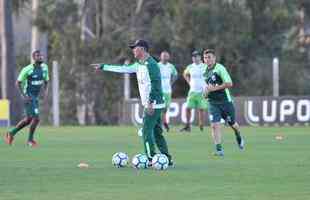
x=96 y=66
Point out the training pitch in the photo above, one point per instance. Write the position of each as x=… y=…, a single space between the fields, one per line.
x=274 y=166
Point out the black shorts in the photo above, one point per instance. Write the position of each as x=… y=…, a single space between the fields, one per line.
x=224 y=111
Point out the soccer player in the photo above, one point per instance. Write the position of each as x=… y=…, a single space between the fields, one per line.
x=220 y=101
x=32 y=83
x=193 y=74
x=168 y=76
x=150 y=89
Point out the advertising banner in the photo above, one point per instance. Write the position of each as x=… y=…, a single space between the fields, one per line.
x=254 y=111
x=4 y=113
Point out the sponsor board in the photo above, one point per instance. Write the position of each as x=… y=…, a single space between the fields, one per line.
x=4 y=113
x=255 y=111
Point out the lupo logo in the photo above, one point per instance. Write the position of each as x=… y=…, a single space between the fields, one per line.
x=281 y=111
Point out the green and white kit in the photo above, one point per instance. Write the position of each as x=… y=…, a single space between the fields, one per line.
x=195 y=98
x=167 y=71
x=150 y=89
x=32 y=78
x=220 y=102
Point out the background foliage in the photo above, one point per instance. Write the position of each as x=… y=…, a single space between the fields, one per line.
x=246 y=35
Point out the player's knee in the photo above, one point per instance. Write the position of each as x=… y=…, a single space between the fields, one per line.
x=35 y=120
x=28 y=120
x=232 y=124
x=231 y=121
x=158 y=131
x=235 y=125
x=147 y=133
x=215 y=126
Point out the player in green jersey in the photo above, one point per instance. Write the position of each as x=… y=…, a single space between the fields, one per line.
x=32 y=83
x=168 y=76
x=220 y=101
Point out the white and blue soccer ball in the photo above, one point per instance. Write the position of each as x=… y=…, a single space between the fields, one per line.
x=120 y=159
x=140 y=161
x=160 y=162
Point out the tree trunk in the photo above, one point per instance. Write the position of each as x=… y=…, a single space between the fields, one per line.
x=35 y=35
x=8 y=61
x=85 y=103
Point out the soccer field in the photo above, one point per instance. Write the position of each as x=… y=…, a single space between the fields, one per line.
x=268 y=169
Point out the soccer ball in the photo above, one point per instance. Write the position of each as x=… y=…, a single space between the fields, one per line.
x=160 y=162
x=120 y=159
x=140 y=161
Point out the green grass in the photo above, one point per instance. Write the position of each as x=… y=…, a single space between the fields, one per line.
x=267 y=170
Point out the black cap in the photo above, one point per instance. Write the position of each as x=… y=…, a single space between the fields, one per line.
x=195 y=53
x=140 y=43
x=209 y=51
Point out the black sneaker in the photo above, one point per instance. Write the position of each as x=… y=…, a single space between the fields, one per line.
x=240 y=142
x=201 y=127
x=186 y=129
x=171 y=163
x=166 y=125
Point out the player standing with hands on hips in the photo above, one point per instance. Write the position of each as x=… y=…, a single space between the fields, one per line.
x=220 y=101
x=193 y=74
x=150 y=89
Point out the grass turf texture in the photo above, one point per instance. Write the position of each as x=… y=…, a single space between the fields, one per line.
x=268 y=168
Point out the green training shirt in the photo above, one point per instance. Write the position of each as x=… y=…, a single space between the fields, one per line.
x=218 y=75
x=154 y=76
x=32 y=79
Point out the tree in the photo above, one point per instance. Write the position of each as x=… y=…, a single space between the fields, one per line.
x=246 y=35
x=8 y=61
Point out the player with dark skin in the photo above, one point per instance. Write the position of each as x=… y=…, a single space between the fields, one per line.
x=32 y=83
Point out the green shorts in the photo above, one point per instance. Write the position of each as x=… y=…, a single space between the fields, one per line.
x=32 y=108
x=219 y=111
x=196 y=100
x=167 y=99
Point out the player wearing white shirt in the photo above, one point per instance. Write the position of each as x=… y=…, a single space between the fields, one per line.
x=168 y=76
x=193 y=74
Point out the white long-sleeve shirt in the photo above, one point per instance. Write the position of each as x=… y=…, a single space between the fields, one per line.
x=149 y=81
